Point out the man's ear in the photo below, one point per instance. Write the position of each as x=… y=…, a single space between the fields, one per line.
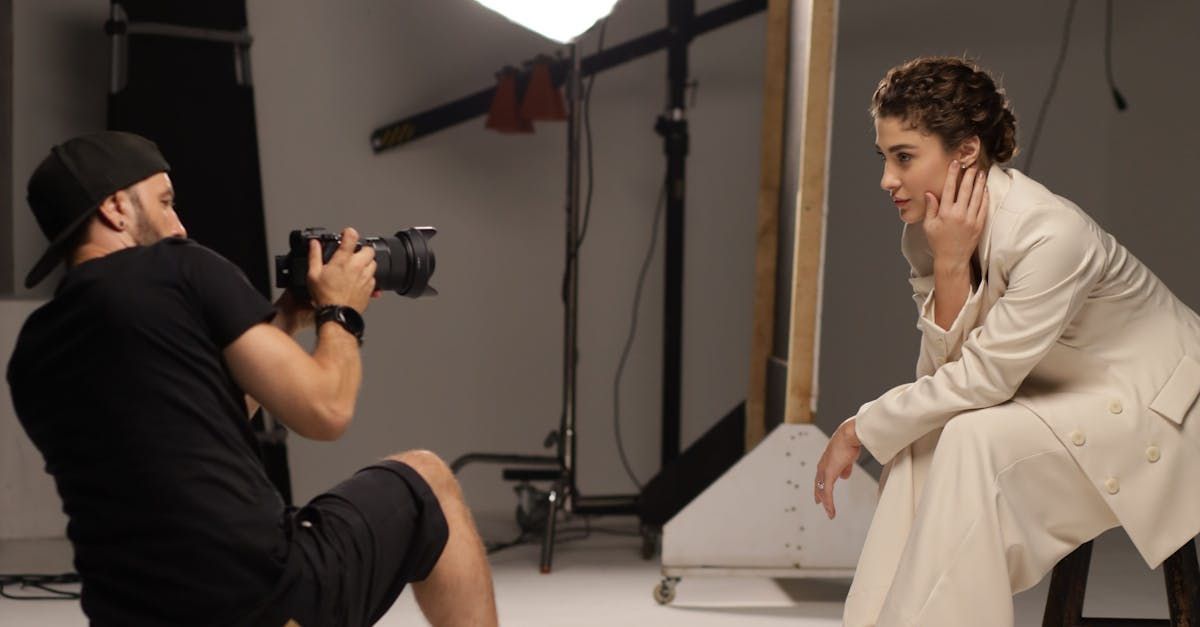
x=968 y=152
x=113 y=213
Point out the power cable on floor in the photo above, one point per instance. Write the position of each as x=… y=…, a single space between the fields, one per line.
x=42 y=583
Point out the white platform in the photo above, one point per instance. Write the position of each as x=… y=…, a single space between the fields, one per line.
x=759 y=518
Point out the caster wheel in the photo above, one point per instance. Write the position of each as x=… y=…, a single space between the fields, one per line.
x=664 y=592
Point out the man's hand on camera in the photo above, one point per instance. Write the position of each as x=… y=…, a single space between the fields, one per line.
x=349 y=277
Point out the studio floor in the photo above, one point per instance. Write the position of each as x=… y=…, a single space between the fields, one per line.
x=602 y=581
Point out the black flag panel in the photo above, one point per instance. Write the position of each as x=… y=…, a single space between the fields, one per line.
x=193 y=97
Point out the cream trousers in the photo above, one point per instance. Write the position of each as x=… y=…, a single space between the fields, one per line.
x=968 y=516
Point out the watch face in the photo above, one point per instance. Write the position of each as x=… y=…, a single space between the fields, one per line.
x=351 y=319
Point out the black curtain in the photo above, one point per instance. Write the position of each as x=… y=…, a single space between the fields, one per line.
x=184 y=95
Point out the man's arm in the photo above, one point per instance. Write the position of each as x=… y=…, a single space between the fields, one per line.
x=291 y=316
x=313 y=395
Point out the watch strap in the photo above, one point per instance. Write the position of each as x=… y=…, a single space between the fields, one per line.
x=343 y=316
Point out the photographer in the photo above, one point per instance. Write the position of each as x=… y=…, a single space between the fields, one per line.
x=136 y=382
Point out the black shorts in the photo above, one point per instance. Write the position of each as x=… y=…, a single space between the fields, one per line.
x=355 y=547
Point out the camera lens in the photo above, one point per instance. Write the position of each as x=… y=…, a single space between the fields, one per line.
x=404 y=263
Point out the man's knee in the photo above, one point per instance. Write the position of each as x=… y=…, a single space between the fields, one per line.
x=433 y=470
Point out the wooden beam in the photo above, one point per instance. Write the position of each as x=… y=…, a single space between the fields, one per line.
x=779 y=17
x=8 y=247
x=820 y=41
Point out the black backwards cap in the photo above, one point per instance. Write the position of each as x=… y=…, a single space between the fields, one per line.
x=69 y=185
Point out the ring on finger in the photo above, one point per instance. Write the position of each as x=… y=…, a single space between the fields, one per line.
x=820 y=484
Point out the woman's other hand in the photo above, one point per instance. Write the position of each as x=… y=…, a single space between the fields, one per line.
x=954 y=223
x=836 y=463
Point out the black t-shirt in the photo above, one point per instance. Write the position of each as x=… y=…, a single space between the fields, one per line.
x=120 y=382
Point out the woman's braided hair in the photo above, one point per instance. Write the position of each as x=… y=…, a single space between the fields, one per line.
x=952 y=98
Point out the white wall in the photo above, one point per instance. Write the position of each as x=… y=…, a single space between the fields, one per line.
x=29 y=505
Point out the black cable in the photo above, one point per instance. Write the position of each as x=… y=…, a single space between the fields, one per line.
x=39 y=582
x=1118 y=98
x=562 y=536
x=637 y=300
x=587 y=130
x=1062 y=56
x=500 y=546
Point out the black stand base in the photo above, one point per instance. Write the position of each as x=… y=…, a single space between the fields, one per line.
x=561 y=496
x=660 y=500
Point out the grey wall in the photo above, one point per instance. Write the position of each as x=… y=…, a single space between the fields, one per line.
x=1132 y=171
x=60 y=82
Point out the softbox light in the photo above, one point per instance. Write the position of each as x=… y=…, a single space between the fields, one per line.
x=560 y=20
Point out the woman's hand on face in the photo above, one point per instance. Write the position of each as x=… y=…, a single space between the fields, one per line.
x=954 y=223
x=836 y=463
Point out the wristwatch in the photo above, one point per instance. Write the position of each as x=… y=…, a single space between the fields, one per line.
x=351 y=320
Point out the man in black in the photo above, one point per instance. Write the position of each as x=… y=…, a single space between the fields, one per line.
x=136 y=382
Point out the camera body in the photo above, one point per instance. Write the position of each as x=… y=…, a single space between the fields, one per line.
x=404 y=262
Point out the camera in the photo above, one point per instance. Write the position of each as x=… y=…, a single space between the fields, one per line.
x=405 y=262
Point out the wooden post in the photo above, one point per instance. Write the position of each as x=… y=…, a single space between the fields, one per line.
x=820 y=44
x=779 y=17
x=8 y=247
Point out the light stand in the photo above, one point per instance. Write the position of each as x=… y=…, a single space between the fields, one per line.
x=564 y=492
x=560 y=468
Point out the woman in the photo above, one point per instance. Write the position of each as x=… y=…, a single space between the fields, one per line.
x=1056 y=380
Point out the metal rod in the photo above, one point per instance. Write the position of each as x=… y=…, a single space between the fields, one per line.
x=571 y=293
x=235 y=37
x=500 y=458
x=117 y=53
x=680 y=14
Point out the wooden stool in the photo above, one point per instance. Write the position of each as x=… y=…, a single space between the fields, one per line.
x=1068 y=582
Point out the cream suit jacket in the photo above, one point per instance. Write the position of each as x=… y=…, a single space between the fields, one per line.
x=1069 y=324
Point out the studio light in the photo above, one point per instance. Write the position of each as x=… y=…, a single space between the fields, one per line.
x=560 y=20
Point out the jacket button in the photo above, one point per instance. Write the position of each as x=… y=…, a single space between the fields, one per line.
x=1115 y=407
x=1112 y=485
x=1078 y=438
x=1152 y=454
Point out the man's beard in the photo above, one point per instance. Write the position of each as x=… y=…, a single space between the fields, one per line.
x=143 y=234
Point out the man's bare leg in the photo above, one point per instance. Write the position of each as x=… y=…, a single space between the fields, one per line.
x=459 y=589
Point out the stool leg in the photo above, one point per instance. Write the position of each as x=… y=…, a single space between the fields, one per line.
x=1068 y=583
x=1183 y=586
